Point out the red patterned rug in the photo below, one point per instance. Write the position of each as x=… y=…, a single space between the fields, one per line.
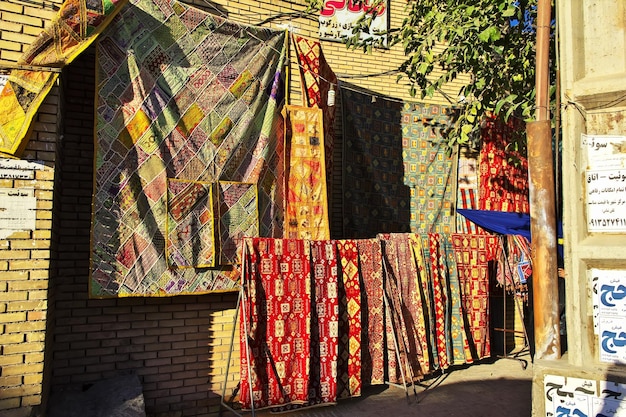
x=349 y=369
x=473 y=256
x=275 y=318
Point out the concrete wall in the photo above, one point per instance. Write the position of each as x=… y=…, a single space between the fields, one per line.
x=593 y=83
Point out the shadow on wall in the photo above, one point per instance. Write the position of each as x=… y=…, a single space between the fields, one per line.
x=396 y=175
x=177 y=346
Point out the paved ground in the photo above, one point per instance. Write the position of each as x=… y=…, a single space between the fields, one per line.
x=498 y=387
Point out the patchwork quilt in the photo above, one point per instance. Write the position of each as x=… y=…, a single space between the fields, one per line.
x=189 y=153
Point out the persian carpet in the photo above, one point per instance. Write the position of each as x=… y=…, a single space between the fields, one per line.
x=372 y=306
x=425 y=293
x=503 y=178
x=324 y=323
x=397 y=344
x=443 y=264
x=238 y=218
x=374 y=198
x=317 y=79
x=473 y=255
x=441 y=297
x=350 y=330
x=182 y=96
x=275 y=323
x=73 y=29
x=324 y=327
x=427 y=168
x=306 y=212
x=403 y=272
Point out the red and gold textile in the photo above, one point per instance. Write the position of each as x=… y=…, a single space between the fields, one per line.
x=74 y=28
x=306 y=213
x=317 y=80
x=441 y=298
x=371 y=271
x=324 y=323
x=503 y=171
x=349 y=366
x=238 y=218
x=473 y=255
x=275 y=318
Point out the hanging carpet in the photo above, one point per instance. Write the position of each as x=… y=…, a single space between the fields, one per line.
x=405 y=297
x=372 y=307
x=396 y=175
x=318 y=80
x=306 y=212
x=503 y=170
x=275 y=325
x=185 y=100
x=474 y=254
x=74 y=28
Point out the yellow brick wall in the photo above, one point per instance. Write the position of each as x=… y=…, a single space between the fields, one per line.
x=26 y=256
x=26 y=265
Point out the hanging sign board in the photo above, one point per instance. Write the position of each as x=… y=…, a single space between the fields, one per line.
x=338 y=18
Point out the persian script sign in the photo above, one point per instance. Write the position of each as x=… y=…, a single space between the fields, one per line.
x=338 y=18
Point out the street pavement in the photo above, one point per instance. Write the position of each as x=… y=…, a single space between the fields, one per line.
x=490 y=388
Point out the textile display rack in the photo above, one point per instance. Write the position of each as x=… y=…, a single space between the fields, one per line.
x=242 y=299
x=505 y=330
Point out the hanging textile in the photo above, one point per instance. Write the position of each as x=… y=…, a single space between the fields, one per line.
x=324 y=323
x=503 y=170
x=427 y=168
x=380 y=194
x=190 y=97
x=404 y=291
x=317 y=79
x=441 y=298
x=238 y=217
x=349 y=363
x=374 y=198
x=324 y=328
x=514 y=265
x=447 y=287
x=275 y=330
x=75 y=26
x=473 y=256
x=396 y=333
x=371 y=272
x=422 y=260
x=306 y=213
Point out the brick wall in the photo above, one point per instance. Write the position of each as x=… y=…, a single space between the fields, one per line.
x=27 y=256
x=178 y=346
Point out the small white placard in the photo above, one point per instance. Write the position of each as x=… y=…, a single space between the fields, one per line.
x=606 y=200
x=17 y=209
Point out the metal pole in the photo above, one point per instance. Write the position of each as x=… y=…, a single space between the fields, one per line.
x=542 y=202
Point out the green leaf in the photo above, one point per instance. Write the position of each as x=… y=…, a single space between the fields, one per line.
x=509 y=12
